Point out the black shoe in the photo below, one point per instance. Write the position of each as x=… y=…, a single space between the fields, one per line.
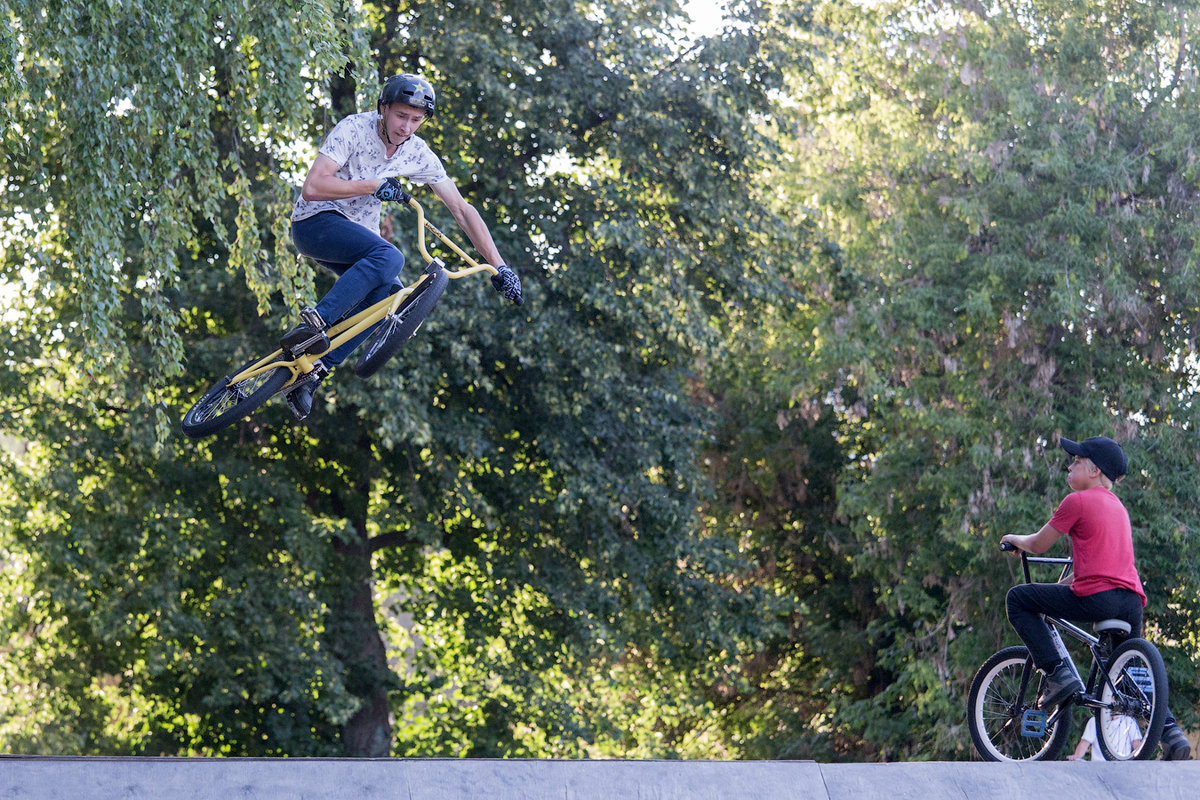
x=307 y=337
x=304 y=338
x=300 y=399
x=1059 y=686
x=1175 y=745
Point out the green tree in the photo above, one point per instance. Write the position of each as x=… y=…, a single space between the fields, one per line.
x=1007 y=196
x=524 y=484
x=132 y=136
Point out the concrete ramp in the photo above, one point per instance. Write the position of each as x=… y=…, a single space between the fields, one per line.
x=48 y=778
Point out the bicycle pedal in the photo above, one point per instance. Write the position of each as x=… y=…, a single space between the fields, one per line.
x=312 y=319
x=1033 y=723
x=303 y=340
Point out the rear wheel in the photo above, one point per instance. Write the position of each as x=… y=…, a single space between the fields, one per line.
x=1136 y=695
x=398 y=328
x=226 y=403
x=1002 y=711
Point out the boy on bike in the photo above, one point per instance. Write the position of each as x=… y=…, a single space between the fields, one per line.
x=1105 y=582
x=336 y=219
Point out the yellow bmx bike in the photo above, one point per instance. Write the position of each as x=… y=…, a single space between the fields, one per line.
x=240 y=393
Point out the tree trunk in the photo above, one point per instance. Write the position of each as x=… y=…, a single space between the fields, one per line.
x=358 y=642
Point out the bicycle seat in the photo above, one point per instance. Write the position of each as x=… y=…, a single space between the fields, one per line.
x=1112 y=626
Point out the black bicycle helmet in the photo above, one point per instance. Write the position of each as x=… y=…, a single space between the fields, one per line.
x=409 y=89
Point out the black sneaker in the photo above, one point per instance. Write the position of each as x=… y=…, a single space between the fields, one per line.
x=1059 y=686
x=300 y=399
x=304 y=338
x=1175 y=745
x=307 y=337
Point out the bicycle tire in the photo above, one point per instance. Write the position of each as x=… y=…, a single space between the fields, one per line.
x=398 y=328
x=1137 y=688
x=225 y=403
x=996 y=708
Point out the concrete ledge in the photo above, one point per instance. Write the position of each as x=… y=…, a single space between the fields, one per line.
x=50 y=778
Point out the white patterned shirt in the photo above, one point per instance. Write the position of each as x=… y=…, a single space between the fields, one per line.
x=355 y=145
x=1127 y=733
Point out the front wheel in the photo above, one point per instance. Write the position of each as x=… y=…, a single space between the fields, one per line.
x=1135 y=696
x=1002 y=711
x=398 y=328
x=225 y=403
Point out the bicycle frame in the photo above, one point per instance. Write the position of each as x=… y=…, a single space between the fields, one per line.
x=1089 y=697
x=347 y=329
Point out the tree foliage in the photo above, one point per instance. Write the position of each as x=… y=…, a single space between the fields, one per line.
x=133 y=137
x=135 y=132
x=523 y=486
x=1006 y=216
x=809 y=304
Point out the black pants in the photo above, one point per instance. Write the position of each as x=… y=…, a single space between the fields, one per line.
x=1027 y=602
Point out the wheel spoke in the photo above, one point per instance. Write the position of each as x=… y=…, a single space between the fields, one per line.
x=997 y=714
x=225 y=403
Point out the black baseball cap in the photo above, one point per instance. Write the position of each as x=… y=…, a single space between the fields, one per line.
x=1101 y=451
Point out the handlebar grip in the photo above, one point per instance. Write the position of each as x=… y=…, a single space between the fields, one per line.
x=1007 y=547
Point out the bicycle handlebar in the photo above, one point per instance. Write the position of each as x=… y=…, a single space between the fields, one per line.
x=1027 y=559
x=424 y=224
x=504 y=280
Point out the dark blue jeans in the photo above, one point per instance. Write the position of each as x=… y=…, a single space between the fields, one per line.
x=1028 y=601
x=368 y=267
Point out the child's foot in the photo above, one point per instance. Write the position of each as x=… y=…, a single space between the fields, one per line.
x=300 y=399
x=1175 y=745
x=1059 y=686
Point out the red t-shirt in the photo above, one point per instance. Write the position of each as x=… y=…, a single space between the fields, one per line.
x=1101 y=542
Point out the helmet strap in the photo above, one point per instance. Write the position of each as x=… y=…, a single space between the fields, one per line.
x=387 y=137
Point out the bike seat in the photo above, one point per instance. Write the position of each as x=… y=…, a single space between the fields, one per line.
x=1113 y=625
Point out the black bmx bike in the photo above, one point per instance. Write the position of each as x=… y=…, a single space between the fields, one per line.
x=1126 y=689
